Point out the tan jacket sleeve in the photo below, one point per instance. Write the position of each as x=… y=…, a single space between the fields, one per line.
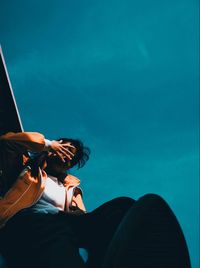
x=23 y=141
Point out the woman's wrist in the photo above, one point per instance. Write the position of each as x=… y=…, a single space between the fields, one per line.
x=47 y=146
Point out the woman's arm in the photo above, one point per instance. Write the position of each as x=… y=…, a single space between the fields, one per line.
x=24 y=141
x=35 y=142
x=77 y=199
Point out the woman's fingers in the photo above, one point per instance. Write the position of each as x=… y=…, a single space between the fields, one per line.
x=66 y=153
x=66 y=150
x=63 y=150
x=68 y=144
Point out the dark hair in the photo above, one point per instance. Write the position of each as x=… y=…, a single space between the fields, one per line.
x=81 y=155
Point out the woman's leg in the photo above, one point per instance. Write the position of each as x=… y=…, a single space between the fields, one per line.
x=149 y=236
x=45 y=240
x=96 y=229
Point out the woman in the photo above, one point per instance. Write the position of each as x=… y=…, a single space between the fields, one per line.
x=44 y=222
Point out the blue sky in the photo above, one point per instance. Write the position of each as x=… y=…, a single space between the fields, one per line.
x=123 y=77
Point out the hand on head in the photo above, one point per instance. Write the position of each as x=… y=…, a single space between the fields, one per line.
x=63 y=150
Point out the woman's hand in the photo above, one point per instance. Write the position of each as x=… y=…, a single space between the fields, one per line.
x=63 y=150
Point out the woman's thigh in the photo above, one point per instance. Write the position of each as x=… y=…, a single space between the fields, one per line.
x=96 y=229
x=102 y=222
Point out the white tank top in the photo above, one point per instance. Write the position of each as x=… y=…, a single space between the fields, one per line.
x=54 y=193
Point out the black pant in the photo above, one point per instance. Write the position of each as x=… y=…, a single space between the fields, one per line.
x=54 y=240
x=149 y=236
x=96 y=229
x=120 y=233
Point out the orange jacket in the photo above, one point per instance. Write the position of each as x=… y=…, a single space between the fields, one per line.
x=25 y=190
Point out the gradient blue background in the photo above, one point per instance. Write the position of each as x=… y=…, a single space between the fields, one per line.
x=123 y=77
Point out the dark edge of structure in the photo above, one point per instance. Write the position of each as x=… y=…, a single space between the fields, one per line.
x=9 y=114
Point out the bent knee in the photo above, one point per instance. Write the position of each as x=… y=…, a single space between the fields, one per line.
x=153 y=199
x=151 y=196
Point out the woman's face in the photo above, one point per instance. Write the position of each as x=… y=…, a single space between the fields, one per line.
x=54 y=163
